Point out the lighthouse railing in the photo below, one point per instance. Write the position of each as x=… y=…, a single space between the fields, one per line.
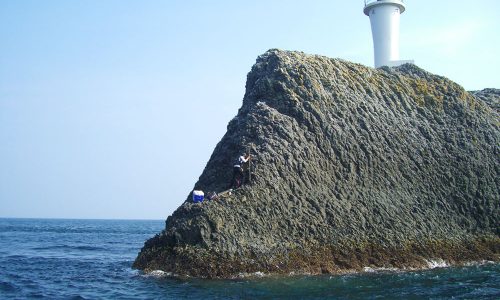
x=371 y=1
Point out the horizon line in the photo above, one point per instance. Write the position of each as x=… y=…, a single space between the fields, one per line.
x=89 y=219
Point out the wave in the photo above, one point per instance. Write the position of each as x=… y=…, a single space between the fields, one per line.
x=381 y=269
x=430 y=264
x=257 y=274
x=158 y=274
x=8 y=287
x=163 y=274
x=78 y=297
x=479 y=263
x=69 y=247
x=437 y=263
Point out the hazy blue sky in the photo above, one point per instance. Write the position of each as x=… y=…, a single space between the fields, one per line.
x=111 y=109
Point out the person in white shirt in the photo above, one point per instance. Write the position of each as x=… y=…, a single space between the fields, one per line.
x=238 y=175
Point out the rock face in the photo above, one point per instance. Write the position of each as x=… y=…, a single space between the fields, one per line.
x=354 y=167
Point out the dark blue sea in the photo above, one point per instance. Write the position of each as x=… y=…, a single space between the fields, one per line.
x=91 y=259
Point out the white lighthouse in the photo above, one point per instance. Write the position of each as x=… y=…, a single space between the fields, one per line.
x=384 y=18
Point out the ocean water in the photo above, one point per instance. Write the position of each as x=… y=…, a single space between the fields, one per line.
x=91 y=259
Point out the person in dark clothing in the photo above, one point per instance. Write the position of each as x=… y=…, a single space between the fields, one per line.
x=238 y=175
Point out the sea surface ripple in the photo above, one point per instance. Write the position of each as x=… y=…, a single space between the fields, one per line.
x=91 y=259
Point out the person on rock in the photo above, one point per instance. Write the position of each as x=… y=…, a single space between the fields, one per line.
x=238 y=175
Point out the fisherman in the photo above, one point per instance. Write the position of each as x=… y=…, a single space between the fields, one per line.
x=238 y=175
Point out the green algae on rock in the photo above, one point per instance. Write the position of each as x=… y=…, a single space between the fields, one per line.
x=356 y=167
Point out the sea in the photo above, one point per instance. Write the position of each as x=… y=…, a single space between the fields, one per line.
x=92 y=259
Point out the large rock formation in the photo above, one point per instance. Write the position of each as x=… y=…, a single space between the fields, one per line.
x=354 y=167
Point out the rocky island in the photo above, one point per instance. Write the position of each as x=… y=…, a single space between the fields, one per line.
x=355 y=167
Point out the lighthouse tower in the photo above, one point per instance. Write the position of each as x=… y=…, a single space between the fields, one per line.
x=384 y=19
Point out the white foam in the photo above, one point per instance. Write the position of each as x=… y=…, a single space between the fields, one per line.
x=381 y=269
x=259 y=274
x=246 y=275
x=478 y=263
x=438 y=263
x=158 y=274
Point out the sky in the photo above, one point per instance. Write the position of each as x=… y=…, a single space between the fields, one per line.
x=111 y=109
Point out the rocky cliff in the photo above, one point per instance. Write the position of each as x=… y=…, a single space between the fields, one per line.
x=353 y=167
